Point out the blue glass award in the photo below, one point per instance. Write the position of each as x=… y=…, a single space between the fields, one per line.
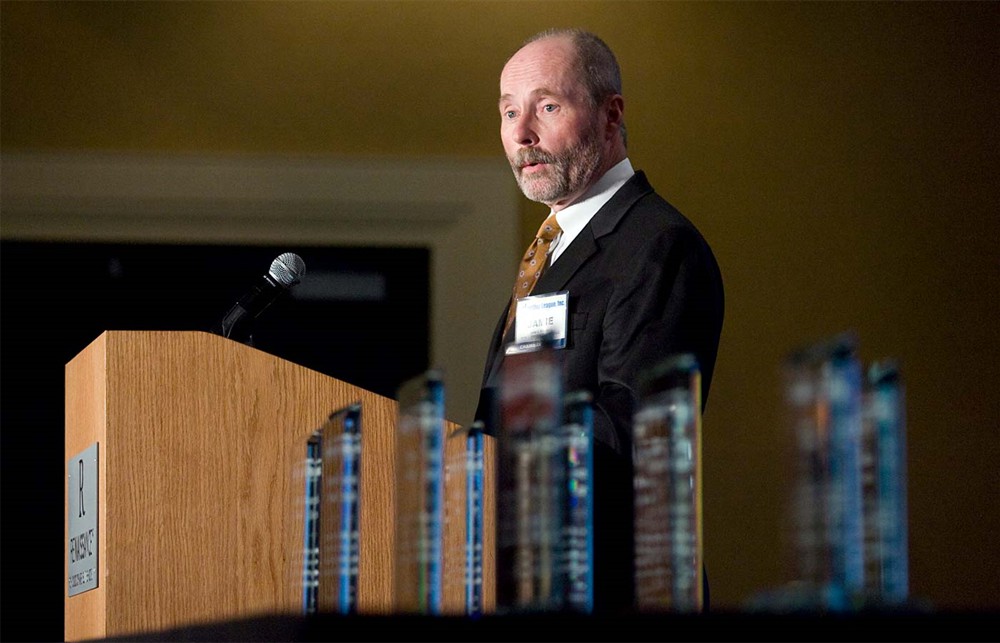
x=420 y=501
x=333 y=463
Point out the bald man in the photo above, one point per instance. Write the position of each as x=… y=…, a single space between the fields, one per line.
x=642 y=283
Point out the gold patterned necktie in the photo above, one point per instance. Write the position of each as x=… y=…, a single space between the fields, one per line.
x=532 y=265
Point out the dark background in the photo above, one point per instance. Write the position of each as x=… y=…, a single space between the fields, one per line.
x=360 y=315
x=840 y=157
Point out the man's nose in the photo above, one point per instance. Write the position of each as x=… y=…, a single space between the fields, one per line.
x=524 y=132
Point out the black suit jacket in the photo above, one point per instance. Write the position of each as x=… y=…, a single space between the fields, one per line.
x=643 y=285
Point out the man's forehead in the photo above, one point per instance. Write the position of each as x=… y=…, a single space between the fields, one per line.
x=550 y=58
x=540 y=81
x=559 y=45
x=539 y=92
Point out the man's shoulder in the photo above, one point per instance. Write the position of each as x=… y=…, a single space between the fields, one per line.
x=646 y=209
x=645 y=226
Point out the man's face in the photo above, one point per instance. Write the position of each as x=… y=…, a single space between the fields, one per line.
x=550 y=132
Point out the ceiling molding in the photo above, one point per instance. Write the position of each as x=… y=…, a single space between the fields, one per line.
x=464 y=210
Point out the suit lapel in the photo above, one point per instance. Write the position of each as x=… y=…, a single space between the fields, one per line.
x=555 y=276
x=583 y=247
x=586 y=243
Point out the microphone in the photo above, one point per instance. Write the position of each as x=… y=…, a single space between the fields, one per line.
x=285 y=272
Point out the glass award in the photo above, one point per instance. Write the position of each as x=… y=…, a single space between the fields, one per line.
x=331 y=547
x=884 y=486
x=667 y=482
x=310 y=512
x=823 y=399
x=531 y=484
x=578 y=529
x=420 y=501
x=468 y=461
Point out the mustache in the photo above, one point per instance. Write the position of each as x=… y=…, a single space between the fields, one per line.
x=527 y=156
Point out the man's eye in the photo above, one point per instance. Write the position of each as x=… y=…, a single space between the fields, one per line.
x=509 y=114
x=550 y=108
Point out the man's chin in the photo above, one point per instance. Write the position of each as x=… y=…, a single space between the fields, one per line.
x=539 y=197
x=538 y=191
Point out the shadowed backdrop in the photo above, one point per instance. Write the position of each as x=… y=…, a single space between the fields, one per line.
x=841 y=159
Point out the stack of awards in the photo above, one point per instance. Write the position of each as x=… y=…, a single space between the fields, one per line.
x=848 y=509
x=331 y=550
x=545 y=556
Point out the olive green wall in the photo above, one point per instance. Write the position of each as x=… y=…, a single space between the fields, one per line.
x=841 y=158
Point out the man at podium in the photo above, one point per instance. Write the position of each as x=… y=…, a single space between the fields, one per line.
x=637 y=281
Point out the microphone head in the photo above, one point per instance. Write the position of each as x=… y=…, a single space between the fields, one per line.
x=287 y=269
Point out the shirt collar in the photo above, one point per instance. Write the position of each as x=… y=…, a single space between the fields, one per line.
x=573 y=218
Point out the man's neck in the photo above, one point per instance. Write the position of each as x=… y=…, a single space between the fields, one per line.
x=608 y=163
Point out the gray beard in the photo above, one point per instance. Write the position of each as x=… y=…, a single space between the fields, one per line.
x=569 y=172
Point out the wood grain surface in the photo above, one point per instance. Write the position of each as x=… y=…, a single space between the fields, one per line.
x=202 y=446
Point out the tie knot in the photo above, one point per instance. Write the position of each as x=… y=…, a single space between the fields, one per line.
x=550 y=228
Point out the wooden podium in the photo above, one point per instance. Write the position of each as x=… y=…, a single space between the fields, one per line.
x=201 y=447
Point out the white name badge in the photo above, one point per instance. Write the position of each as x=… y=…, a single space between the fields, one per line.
x=538 y=316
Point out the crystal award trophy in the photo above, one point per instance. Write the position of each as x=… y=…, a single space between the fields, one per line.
x=531 y=484
x=578 y=526
x=823 y=400
x=667 y=483
x=420 y=501
x=333 y=460
x=469 y=460
x=884 y=486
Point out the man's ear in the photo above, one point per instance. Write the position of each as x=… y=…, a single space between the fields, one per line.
x=614 y=110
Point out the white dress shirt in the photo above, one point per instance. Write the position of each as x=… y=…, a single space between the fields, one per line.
x=573 y=218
